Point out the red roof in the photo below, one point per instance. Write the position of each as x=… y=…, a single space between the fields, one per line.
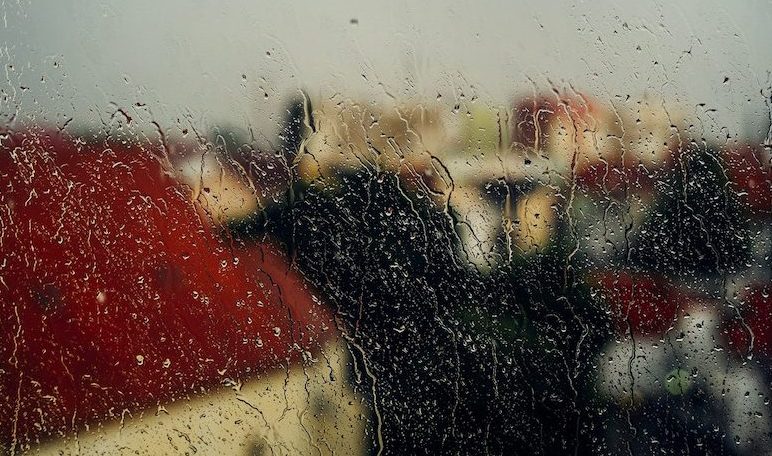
x=117 y=293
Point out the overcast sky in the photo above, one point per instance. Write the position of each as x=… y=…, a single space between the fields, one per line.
x=235 y=62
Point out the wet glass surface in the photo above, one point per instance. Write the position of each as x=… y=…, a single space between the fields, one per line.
x=395 y=229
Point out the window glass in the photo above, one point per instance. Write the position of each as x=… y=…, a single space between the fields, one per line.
x=396 y=228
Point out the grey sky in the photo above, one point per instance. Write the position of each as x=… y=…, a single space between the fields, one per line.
x=235 y=62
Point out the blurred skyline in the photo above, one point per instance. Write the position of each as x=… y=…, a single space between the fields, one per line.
x=211 y=63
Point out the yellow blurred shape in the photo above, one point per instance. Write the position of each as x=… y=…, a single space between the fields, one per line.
x=218 y=190
x=653 y=130
x=482 y=131
x=349 y=136
x=308 y=409
x=532 y=225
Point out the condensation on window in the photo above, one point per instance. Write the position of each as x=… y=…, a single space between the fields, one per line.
x=340 y=228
